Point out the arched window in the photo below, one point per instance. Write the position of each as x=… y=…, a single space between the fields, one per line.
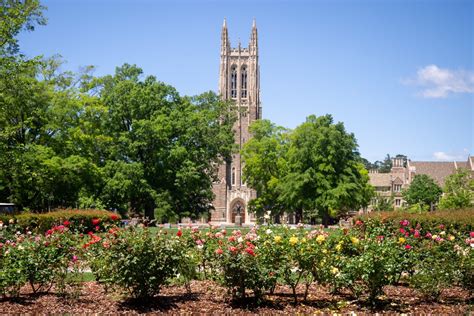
x=233 y=176
x=243 y=81
x=233 y=82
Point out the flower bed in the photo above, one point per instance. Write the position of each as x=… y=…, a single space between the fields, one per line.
x=137 y=263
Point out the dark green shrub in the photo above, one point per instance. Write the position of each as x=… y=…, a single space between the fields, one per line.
x=80 y=221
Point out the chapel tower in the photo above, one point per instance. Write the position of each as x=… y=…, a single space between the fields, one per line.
x=239 y=81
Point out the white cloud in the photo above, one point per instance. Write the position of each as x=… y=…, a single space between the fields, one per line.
x=442 y=156
x=440 y=82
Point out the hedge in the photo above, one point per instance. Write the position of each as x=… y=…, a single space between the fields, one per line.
x=77 y=220
x=461 y=220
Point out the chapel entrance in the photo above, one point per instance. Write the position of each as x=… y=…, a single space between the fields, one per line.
x=238 y=208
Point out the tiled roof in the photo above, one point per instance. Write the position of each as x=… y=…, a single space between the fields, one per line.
x=438 y=170
x=380 y=179
x=462 y=164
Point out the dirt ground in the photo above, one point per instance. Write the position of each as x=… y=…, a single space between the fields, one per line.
x=209 y=298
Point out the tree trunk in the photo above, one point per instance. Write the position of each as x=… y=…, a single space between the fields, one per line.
x=299 y=216
x=325 y=218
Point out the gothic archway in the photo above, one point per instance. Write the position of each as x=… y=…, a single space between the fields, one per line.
x=237 y=207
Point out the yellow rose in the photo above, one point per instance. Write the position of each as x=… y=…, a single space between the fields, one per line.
x=303 y=240
x=277 y=239
x=401 y=240
x=354 y=240
x=334 y=270
x=325 y=251
x=451 y=237
x=293 y=240
x=320 y=239
x=339 y=247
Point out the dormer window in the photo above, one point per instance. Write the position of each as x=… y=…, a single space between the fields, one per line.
x=397 y=187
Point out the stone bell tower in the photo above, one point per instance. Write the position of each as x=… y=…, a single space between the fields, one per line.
x=239 y=81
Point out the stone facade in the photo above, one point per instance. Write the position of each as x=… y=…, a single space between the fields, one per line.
x=239 y=81
x=391 y=184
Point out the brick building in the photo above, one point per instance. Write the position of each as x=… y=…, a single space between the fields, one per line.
x=401 y=175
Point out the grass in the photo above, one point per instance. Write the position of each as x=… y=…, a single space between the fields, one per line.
x=87 y=277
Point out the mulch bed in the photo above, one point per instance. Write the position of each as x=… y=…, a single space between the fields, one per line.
x=209 y=298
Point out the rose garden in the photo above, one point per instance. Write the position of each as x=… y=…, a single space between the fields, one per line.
x=429 y=260
x=119 y=195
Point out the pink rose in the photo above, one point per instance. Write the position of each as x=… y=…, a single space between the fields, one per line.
x=407 y=247
x=405 y=222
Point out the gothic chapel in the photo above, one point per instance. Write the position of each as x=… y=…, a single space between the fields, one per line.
x=239 y=81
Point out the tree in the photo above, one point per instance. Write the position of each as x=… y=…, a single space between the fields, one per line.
x=386 y=165
x=265 y=164
x=170 y=144
x=458 y=191
x=424 y=191
x=324 y=170
x=16 y=16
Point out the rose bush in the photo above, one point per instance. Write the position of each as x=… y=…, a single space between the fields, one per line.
x=134 y=261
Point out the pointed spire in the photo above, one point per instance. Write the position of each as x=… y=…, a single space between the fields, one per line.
x=253 y=39
x=225 y=43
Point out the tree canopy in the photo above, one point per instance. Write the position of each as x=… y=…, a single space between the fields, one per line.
x=423 y=191
x=123 y=141
x=458 y=191
x=313 y=171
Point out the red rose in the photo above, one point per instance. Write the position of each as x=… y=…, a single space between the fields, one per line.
x=359 y=223
x=95 y=221
x=233 y=249
x=66 y=223
x=219 y=251
x=179 y=233
x=250 y=251
x=416 y=234
x=407 y=247
x=49 y=232
x=114 y=217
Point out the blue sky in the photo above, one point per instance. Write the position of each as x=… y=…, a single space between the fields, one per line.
x=399 y=74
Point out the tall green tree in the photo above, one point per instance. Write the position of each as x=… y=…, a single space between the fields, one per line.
x=265 y=164
x=458 y=190
x=16 y=16
x=324 y=170
x=170 y=143
x=423 y=191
